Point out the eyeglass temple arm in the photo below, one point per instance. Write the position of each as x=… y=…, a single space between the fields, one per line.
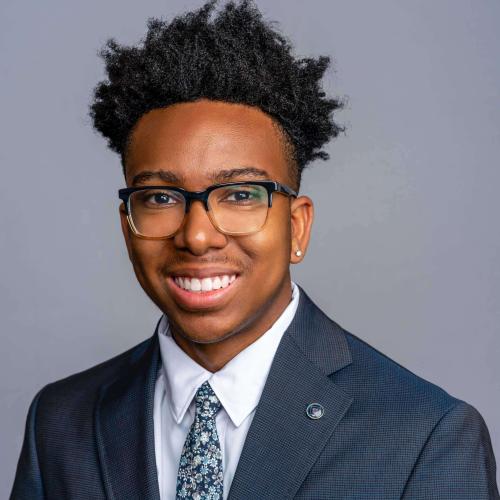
x=281 y=188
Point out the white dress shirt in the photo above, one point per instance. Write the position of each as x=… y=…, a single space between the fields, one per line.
x=238 y=385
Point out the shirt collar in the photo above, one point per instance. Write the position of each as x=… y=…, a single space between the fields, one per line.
x=238 y=385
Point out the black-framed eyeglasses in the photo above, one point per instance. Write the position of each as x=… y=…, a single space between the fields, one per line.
x=235 y=208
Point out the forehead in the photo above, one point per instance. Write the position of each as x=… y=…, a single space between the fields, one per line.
x=196 y=140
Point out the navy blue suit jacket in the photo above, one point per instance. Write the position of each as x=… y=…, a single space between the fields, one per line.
x=385 y=433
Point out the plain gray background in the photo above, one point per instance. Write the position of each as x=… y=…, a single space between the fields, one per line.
x=406 y=246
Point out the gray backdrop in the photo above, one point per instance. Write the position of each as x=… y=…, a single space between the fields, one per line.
x=406 y=247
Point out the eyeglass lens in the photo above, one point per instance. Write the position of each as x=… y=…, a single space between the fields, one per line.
x=233 y=209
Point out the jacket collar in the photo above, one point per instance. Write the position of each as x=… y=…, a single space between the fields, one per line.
x=320 y=339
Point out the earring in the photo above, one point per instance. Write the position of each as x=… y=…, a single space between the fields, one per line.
x=298 y=253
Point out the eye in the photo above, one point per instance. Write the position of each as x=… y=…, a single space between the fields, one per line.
x=239 y=196
x=159 y=199
x=242 y=195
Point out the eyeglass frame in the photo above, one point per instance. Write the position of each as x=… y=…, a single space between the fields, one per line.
x=190 y=196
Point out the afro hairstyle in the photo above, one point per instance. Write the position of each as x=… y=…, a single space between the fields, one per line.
x=232 y=55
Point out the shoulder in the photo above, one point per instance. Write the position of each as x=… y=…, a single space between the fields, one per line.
x=392 y=394
x=81 y=389
x=393 y=408
x=380 y=387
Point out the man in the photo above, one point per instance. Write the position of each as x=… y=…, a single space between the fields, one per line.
x=246 y=390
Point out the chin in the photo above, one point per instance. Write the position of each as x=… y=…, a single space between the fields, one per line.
x=207 y=340
x=204 y=328
x=197 y=337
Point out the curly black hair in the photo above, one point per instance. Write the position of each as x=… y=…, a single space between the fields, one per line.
x=233 y=56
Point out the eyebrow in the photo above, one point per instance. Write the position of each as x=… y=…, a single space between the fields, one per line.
x=226 y=175
x=163 y=175
x=231 y=174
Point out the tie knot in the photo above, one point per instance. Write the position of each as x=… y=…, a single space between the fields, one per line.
x=207 y=403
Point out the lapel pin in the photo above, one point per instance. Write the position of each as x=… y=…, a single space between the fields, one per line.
x=315 y=411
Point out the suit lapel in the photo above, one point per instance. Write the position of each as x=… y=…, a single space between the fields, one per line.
x=125 y=430
x=283 y=443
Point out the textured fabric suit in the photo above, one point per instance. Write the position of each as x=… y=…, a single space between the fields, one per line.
x=385 y=433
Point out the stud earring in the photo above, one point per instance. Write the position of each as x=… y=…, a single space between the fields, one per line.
x=298 y=253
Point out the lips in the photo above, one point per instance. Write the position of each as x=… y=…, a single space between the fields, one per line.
x=203 y=289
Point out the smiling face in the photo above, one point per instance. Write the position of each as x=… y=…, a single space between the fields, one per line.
x=192 y=146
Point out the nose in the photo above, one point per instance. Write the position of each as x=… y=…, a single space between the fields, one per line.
x=197 y=233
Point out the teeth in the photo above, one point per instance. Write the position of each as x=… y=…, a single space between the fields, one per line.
x=205 y=284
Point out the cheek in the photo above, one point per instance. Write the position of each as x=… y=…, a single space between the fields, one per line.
x=147 y=258
x=278 y=228
x=270 y=247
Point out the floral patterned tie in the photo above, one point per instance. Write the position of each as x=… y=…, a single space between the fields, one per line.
x=200 y=474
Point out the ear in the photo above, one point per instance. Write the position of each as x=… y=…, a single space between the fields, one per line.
x=302 y=215
x=126 y=229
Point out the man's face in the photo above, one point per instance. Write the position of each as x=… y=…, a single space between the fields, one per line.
x=194 y=145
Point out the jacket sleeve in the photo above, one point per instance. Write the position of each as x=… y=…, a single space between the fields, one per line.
x=457 y=461
x=28 y=481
